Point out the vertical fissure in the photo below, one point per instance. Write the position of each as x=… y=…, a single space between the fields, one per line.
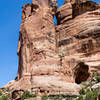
x=59 y=3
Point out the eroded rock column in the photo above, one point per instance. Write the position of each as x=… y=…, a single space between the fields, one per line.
x=37 y=35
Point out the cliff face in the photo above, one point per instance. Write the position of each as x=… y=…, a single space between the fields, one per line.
x=37 y=37
x=78 y=32
x=54 y=58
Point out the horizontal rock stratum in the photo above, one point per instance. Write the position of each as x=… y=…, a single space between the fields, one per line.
x=53 y=58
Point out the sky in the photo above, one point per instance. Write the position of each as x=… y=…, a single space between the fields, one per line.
x=10 y=20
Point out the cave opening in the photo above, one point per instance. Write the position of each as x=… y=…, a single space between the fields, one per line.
x=81 y=72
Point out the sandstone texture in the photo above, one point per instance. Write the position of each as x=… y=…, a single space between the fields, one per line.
x=53 y=58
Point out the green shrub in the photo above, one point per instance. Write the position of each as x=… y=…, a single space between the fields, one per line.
x=27 y=95
x=94 y=74
x=68 y=98
x=51 y=97
x=98 y=74
x=92 y=95
x=82 y=91
x=88 y=96
x=0 y=93
x=44 y=97
x=4 y=97
x=61 y=56
x=87 y=90
x=56 y=97
x=98 y=78
x=33 y=95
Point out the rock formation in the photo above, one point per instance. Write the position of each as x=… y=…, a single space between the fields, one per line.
x=52 y=59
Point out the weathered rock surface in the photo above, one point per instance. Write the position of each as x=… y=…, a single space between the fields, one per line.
x=52 y=58
x=78 y=32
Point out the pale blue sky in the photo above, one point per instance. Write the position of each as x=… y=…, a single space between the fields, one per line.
x=10 y=20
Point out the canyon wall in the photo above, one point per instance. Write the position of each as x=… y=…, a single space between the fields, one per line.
x=53 y=58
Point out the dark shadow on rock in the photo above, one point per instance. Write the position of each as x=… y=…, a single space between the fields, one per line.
x=81 y=72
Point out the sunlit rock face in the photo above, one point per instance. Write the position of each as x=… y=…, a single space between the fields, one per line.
x=40 y=66
x=78 y=32
x=37 y=36
x=52 y=58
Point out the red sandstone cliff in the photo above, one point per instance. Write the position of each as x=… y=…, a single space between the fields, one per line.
x=54 y=58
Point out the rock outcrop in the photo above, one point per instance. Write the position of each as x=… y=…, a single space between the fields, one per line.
x=52 y=59
x=78 y=32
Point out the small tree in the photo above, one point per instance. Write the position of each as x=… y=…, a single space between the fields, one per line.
x=61 y=56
